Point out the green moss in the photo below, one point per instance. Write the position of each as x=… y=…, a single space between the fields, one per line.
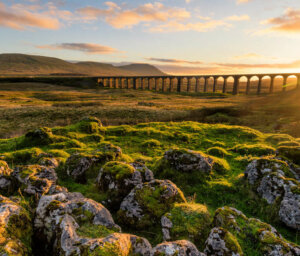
x=93 y=138
x=191 y=221
x=53 y=205
x=118 y=170
x=59 y=153
x=218 y=152
x=107 y=249
x=23 y=156
x=151 y=144
x=256 y=149
x=220 y=165
x=93 y=231
x=232 y=243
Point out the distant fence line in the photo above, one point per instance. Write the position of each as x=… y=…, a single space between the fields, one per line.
x=193 y=83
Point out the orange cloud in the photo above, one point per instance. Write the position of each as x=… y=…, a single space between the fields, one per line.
x=126 y=18
x=289 y=22
x=21 y=17
x=82 y=47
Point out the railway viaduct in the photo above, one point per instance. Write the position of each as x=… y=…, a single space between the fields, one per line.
x=192 y=83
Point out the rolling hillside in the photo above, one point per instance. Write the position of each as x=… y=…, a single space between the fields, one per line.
x=21 y=64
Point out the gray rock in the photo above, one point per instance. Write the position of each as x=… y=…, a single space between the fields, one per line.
x=35 y=179
x=188 y=160
x=217 y=244
x=289 y=211
x=136 y=212
x=279 y=247
x=15 y=226
x=180 y=248
x=117 y=179
x=59 y=216
x=166 y=226
x=271 y=187
x=77 y=166
x=6 y=182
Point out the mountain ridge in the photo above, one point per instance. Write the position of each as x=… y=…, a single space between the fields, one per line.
x=22 y=64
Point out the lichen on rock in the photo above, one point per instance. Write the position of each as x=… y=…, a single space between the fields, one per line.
x=146 y=203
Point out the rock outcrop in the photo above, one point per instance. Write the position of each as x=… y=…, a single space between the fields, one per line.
x=222 y=242
x=146 y=203
x=267 y=238
x=179 y=248
x=60 y=216
x=117 y=179
x=15 y=228
x=186 y=220
x=79 y=166
x=188 y=160
x=275 y=182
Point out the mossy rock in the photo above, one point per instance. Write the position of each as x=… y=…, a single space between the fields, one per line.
x=146 y=203
x=221 y=242
x=292 y=153
x=190 y=221
x=218 y=152
x=117 y=179
x=24 y=156
x=90 y=125
x=15 y=228
x=255 y=150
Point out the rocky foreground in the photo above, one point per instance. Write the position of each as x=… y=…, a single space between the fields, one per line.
x=40 y=216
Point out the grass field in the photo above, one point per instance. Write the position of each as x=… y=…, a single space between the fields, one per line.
x=25 y=106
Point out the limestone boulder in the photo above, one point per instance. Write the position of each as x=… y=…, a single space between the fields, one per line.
x=65 y=222
x=81 y=166
x=117 y=179
x=6 y=180
x=15 y=228
x=144 y=206
x=36 y=180
x=276 y=182
x=188 y=160
x=180 y=248
x=221 y=242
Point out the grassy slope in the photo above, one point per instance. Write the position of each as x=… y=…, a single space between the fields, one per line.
x=137 y=143
x=25 y=106
x=21 y=64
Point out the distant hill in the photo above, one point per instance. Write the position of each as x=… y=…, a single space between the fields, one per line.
x=22 y=64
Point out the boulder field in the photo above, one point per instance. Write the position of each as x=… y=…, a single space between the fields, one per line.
x=184 y=189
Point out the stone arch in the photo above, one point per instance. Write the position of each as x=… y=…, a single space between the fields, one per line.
x=291 y=82
x=278 y=83
x=266 y=82
x=229 y=81
x=220 y=80
x=243 y=83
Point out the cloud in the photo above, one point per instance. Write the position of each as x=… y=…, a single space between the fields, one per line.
x=252 y=56
x=82 y=47
x=238 y=18
x=174 y=61
x=289 y=22
x=242 y=1
x=173 y=26
x=294 y=64
x=21 y=17
x=228 y=68
x=126 y=18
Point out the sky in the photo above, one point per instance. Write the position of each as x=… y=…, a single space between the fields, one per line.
x=177 y=36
